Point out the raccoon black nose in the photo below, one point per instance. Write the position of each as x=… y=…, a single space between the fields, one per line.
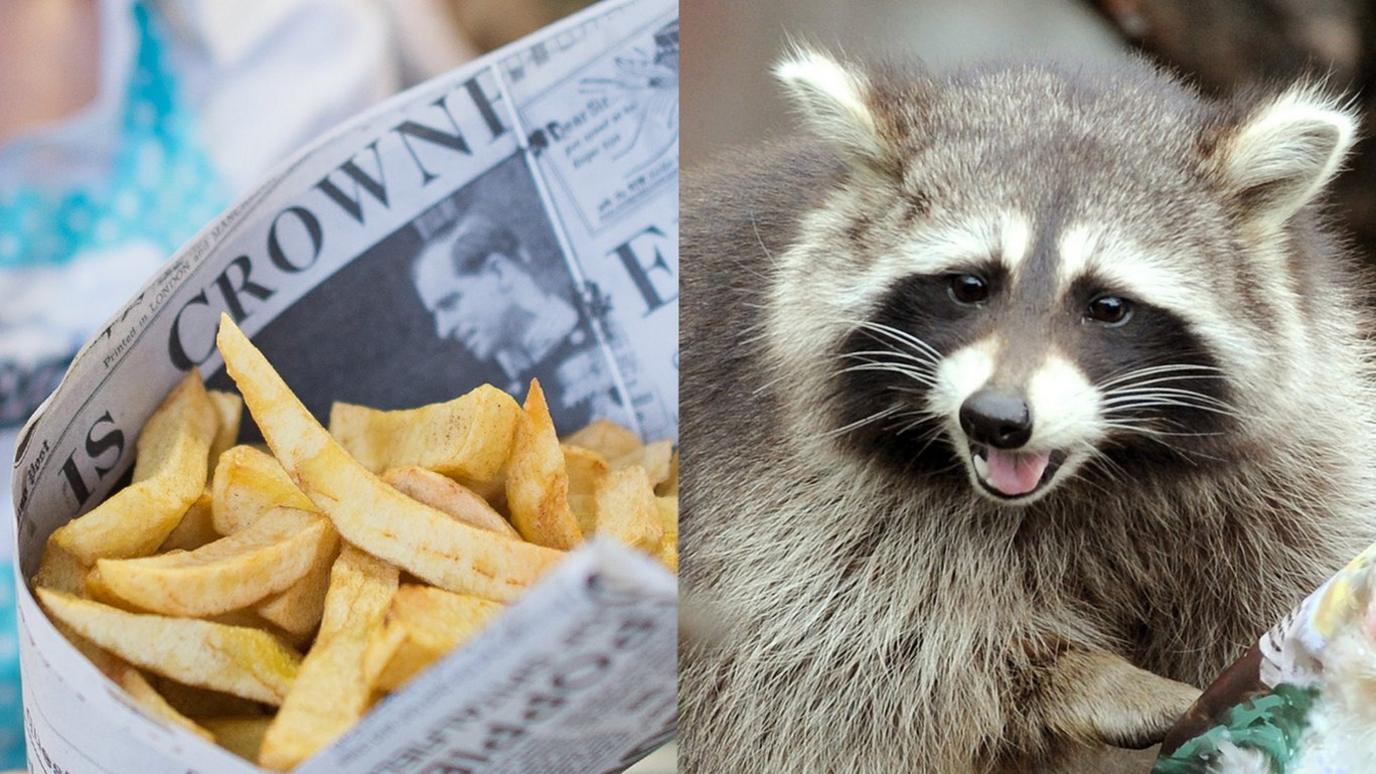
x=997 y=419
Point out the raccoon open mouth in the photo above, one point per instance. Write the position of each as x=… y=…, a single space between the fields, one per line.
x=1010 y=475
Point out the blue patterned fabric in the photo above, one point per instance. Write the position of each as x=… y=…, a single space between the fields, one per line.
x=161 y=185
x=158 y=190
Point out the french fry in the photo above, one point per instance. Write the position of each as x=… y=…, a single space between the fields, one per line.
x=229 y=411
x=537 y=486
x=669 y=487
x=270 y=555
x=668 y=554
x=366 y=511
x=445 y=494
x=248 y=483
x=202 y=703
x=242 y=736
x=244 y=662
x=605 y=437
x=297 y=610
x=468 y=437
x=423 y=624
x=332 y=692
x=143 y=694
x=195 y=529
x=586 y=469
x=97 y=591
x=667 y=507
x=668 y=519
x=60 y=570
x=655 y=458
x=169 y=474
x=123 y=674
x=627 y=511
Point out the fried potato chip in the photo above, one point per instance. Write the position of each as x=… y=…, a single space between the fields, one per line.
x=298 y=609
x=245 y=662
x=537 y=486
x=331 y=693
x=605 y=437
x=242 y=736
x=270 y=555
x=195 y=529
x=586 y=469
x=60 y=570
x=445 y=494
x=627 y=511
x=229 y=410
x=469 y=436
x=669 y=487
x=367 y=512
x=247 y=483
x=169 y=474
x=423 y=624
x=653 y=457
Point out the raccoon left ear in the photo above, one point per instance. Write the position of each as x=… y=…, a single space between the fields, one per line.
x=838 y=102
x=1279 y=157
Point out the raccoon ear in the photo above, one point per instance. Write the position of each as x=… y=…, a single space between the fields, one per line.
x=837 y=101
x=1279 y=157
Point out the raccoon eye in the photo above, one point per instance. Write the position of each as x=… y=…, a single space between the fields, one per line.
x=969 y=289
x=1109 y=310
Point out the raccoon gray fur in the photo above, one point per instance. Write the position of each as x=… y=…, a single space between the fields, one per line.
x=1019 y=402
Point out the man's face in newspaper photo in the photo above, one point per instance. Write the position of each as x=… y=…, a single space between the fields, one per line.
x=477 y=284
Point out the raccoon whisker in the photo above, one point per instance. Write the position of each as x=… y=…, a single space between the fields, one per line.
x=1177 y=393
x=758 y=390
x=1171 y=392
x=1169 y=368
x=755 y=224
x=1167 y=403
x=1124 y=405
x=885 y=356
x=875 y=417
x=904 y=390
x=895 y=368
x=894 y=333
x=1156 y=433
x=893 y=353
x=1162 y=380
x=1110 y=470
x=916 y=418
x=1160 y=437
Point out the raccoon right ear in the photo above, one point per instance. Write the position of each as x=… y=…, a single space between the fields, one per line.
x=838 y=102
x=1283 y=153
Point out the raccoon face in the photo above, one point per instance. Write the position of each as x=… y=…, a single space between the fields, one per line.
x=1027 y=283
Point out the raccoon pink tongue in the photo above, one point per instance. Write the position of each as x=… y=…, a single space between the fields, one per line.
x=1015 y=474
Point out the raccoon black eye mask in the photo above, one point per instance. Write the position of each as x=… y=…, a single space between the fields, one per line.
x=1117 y=381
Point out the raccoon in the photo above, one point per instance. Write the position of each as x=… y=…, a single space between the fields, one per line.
x=1020 y=401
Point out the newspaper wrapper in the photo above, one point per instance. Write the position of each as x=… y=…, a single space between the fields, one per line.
x=516 y=218
x=1301 y=701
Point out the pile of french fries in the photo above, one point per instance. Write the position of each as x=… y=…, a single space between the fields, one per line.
x=266 y=598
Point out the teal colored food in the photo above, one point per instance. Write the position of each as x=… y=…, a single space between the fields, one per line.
x=1270 y=723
